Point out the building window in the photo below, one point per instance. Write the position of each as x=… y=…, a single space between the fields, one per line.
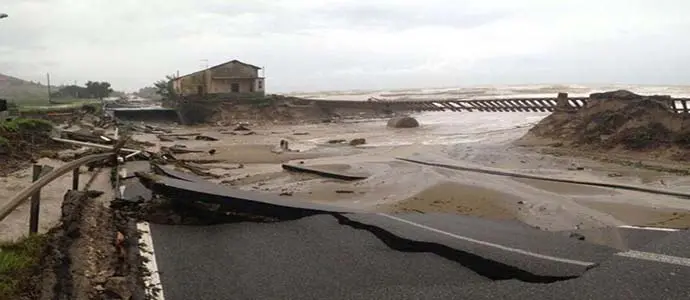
x=261 y=85
x=235 y=87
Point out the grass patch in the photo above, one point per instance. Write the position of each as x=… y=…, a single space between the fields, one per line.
x=20 y=125
x=17 y=262
x=63 y=107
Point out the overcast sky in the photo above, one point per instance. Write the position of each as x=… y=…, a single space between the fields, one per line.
x=309 y=45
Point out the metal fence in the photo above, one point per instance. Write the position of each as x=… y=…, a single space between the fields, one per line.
x=42 y=176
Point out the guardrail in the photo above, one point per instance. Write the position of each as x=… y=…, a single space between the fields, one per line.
x=43 y=178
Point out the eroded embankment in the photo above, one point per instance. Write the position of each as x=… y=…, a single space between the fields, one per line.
x=92 y=254
x=617 y=122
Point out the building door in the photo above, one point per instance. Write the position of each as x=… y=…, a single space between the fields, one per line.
x=200 y=90
x=235 y=87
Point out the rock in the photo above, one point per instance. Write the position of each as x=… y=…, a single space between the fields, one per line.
x=338 y=141
x=205 y=138
x=359 y=141
x=212 y=151
x=286 y=194
x=68 y=155
x=403 y=122
x=180 y=146
x=94 y=194
x=615 y=175
x=301 y=133
x=521 y=202
x=118 y=285
x=344 y=192
x=241 y=127
x=577 y=236
x=164 y=138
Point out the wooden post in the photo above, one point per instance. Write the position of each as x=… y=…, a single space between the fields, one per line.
x=35 y=202
x=75 y=179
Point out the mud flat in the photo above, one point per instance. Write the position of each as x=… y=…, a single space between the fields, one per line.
x=394 y=185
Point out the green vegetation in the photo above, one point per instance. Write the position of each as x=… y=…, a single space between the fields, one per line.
x=165 y=88
x=149 y=92
x=262 y=102
x=28 y=93
x=17 y=262
x=96 y=104
x=20 y=125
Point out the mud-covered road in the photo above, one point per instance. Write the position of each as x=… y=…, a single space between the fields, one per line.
x=329 y=253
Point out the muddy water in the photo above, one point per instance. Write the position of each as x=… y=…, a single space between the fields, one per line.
x=466 y=139
x=17 y=223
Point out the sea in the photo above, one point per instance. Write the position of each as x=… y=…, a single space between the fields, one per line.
x=462 y=128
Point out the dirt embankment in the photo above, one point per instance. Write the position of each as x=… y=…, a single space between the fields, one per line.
x=617 y=122
x=22 y=140
x=276 y=109
x=92 y=254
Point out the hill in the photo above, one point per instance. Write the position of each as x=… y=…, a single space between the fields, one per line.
x=22 y=91
x=30 y=93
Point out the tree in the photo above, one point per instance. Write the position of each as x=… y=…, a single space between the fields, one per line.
x=71 y=91
x=98 y=90
x=149 y=92
x=165 y=88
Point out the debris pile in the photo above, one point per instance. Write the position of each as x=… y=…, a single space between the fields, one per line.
x=618 y=120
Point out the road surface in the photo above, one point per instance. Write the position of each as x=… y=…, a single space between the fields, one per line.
x=327 y=253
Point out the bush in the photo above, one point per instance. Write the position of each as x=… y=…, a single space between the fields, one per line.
x=21 y=125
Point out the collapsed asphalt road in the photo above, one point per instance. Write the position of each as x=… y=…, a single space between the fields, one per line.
x=310 y=251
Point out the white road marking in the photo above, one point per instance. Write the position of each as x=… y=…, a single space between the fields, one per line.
x=674 y=260
x=154 y=287
x=649 y=228
x=505 y=248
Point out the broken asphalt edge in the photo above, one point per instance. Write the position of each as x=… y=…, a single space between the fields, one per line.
x=486 y=266
x=323 y=173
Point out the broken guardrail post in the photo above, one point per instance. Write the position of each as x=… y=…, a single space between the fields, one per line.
x=38 y=172
x=35 y=202
x=75 y=179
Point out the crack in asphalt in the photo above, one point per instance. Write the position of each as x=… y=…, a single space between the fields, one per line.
x=490 y=269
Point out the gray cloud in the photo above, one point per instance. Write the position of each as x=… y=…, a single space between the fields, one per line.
x=345 y=44
x=393 y=17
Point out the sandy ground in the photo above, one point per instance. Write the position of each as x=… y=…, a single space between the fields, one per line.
x=482 y=140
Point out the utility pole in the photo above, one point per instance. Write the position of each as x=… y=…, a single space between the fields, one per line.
x=50 y=101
